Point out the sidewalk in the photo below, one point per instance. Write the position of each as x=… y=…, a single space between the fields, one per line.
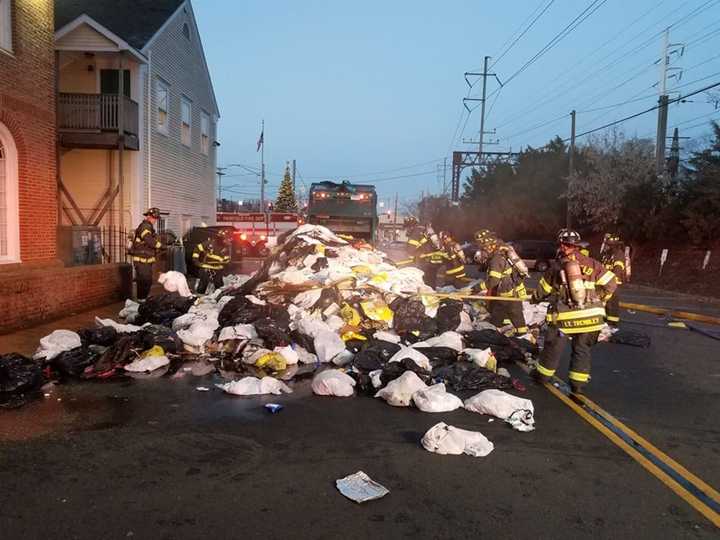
x=26 y=341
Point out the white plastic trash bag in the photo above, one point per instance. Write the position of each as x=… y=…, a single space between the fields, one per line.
x=239 y=331
x=483 y=358
x=435 y=398
x=390 y=337
x=328 y=345
x=333 y=382
x=289 y=354
x=518 y=412
x=252 y=386
x=399 y=392
x=149 y=363
x=175 y=282
x=130 y=311
x=57 y=342
x=444 y=439
x=416 y=356
x=120 y=328
x=451 y=340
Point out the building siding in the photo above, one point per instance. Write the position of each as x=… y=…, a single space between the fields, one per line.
x=182 y=178
x=84 y=37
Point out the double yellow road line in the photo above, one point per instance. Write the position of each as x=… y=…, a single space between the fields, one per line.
x=698 y=494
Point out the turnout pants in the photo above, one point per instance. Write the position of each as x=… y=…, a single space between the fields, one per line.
x=612 y=309
x=431 y=271
x=580 y=358
x=143 y=279
x=208 y=276
x=502 y=313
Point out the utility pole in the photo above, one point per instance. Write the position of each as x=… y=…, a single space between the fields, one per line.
x=262 y=171
x=482 y=105
x=664 y=63
x=395 y=219
x=571 y=171
x=220 y=174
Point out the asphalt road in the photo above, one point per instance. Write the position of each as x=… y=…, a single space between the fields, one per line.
x=156 y=459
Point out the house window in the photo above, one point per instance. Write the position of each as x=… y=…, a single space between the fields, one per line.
x=186 y=121
x=5 y=25
x=186 y=31
x=9 y=220
x=205 y=133
x=163 y=106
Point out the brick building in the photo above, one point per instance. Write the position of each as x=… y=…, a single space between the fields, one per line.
x=34 y=284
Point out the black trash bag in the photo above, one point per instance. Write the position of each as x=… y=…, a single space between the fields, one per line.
x=273 y=334
x=526 y=346
x=363 y=383
x=74 y=362
x=355 y=345
x=439 y=356
x=448 y=315
x=631 y=337
x=163 y=308
x=320 y=264
x=125 y=350
x=462 y=376
x=305 y=341
x=504 y=348
x=328 y=297
x=393 y=370
x=162 y=336
x=408 y=315
x=105 y=336
x=280 y=315
x=240 y=310
x=428 y=328
x=374 y=355
x=20 y=379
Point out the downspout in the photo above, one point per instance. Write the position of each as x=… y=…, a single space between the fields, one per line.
x=148 y=138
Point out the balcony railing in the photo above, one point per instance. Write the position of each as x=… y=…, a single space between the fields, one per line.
x=96 y=112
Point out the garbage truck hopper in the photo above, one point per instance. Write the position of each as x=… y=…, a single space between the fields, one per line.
x=344 y=208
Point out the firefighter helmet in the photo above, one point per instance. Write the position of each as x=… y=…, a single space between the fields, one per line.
x=482 y=234
x=410 y=221
x=153 y=212
x=611 y=238
x=569 y=237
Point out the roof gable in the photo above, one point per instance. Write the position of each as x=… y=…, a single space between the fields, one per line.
x=135 y=21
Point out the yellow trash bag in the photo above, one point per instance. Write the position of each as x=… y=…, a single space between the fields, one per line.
x=377 y=310
x=379 y=279
x=350 y=334
x=274 y=361
x=361 y=269
x=156 y=350
x=350 y=315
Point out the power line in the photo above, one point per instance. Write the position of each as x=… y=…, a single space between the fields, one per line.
x=577 y=21
x=656 y=107
x=518 y=38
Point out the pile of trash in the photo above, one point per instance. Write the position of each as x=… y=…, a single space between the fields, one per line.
x=319 y=307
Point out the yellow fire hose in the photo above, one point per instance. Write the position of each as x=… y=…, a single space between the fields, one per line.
x=698 y=317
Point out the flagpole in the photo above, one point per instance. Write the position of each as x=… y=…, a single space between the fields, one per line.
x=262 y=169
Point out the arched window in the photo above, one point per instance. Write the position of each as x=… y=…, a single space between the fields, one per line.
x=9 y=228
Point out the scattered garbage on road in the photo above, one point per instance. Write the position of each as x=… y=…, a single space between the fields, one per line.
x=359 y=487
x=320 y=308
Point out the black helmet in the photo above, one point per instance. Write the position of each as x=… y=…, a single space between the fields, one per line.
x=611 y=238
x=153 y=212
x=482 y=234
x=569 y=237
x=410 y=221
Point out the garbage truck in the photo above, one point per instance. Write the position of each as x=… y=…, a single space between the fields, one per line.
x=344 y=208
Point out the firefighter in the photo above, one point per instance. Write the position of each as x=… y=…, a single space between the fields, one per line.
x=416 y=241
x=211 y=256
x=432 y=257
x=506 y=274
x=577 y=288
x=454 y=261
x=145 y=244
x=612 y=255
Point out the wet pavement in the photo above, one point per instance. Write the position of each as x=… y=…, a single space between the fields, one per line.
x=155 y=458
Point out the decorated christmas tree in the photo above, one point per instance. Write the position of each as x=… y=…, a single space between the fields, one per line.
x=286 y=195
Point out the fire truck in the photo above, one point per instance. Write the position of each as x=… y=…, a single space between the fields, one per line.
x=255 y=230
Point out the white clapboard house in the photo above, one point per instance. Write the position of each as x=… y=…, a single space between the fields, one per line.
x=137 y=114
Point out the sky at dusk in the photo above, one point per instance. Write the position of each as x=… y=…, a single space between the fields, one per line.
x=372 y=91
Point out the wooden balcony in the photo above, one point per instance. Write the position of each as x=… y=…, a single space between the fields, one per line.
x=93 y=121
